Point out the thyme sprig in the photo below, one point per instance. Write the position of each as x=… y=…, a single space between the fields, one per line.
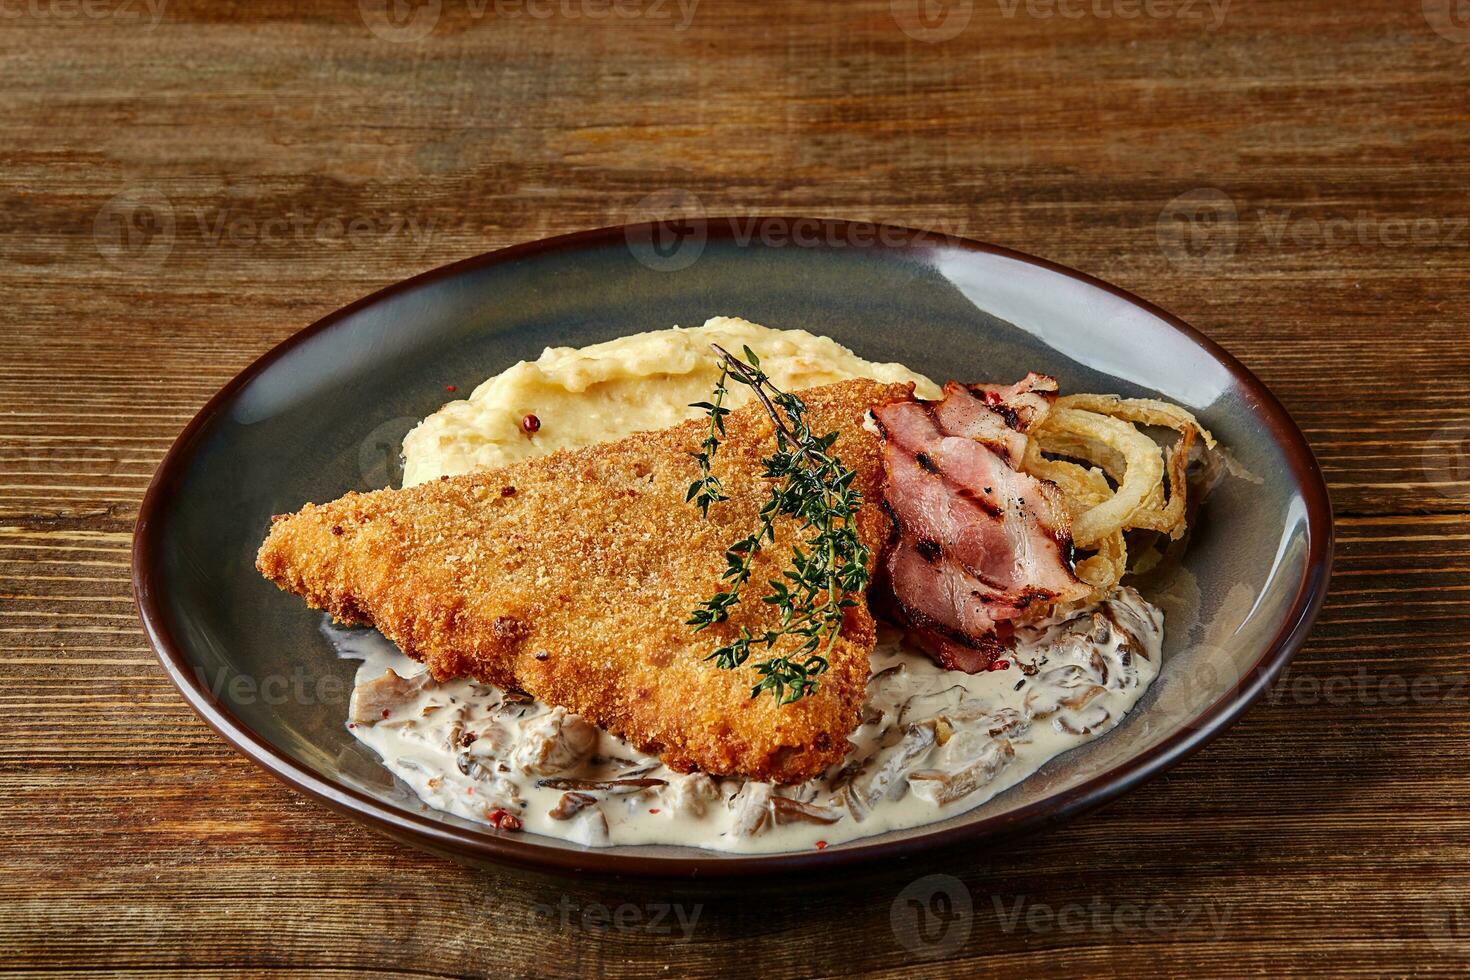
x=707 y=489
x=809 y=485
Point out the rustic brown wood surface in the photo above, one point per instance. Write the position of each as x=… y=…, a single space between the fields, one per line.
x=186 y=183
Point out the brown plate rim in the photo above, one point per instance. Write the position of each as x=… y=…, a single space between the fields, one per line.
x=505 y=848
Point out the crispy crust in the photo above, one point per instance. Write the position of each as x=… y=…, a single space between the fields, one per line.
x=571 y=577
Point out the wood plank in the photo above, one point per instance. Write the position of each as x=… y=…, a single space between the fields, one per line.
x=1325 y=833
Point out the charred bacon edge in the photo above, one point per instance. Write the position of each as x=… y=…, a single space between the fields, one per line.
x=1063 y=539
x=989 y=645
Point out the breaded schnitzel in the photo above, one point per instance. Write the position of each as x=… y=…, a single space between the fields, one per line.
x=572 y=576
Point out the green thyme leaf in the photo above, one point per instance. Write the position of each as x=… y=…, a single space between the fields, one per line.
x=813 y=488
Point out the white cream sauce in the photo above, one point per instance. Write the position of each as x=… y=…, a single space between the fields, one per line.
x=932 y=743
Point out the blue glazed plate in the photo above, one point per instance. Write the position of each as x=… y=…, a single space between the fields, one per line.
x=325 y=411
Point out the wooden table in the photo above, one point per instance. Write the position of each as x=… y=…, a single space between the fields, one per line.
x=181 y=191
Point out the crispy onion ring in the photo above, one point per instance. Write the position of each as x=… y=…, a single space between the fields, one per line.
x=1077 y=445
x=1105 y=569
x=1147 y=411
x=1143 y=470
x=1166 y=518
x=1103 y=449
x=1080 y=485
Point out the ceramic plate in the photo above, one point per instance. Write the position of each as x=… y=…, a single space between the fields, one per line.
x=324 y=412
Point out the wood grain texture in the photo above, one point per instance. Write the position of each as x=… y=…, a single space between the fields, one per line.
x=1290 y=179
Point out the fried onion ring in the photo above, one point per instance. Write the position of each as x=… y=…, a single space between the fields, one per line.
x=1164 y=518
x=1147 y=411
x=1101 y=448
x=1081 y=486
x=1106 y=568
x=1143 y=470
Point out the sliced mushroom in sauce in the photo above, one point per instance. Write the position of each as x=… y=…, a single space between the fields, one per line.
x=927 y=738
x=944 y=786
x=378 y=700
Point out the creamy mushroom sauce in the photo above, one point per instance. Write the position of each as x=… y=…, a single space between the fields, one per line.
x=932 y=743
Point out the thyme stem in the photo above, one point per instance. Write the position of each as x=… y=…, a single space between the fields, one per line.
x=707 y=489
x=810 y=485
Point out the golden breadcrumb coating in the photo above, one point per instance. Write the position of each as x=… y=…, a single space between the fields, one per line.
x=571 y=577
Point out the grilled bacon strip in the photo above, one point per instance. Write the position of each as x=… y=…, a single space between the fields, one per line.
x=997 y=415
x=975 y=545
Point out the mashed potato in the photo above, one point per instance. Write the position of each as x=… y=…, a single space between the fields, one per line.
x=606 y=391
